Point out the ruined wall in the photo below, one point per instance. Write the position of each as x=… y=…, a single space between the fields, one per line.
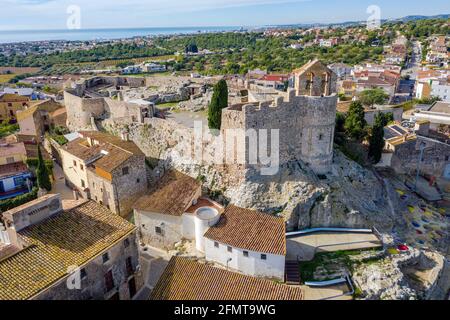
x=435 y=159
x=305 y=123
x=80 y=110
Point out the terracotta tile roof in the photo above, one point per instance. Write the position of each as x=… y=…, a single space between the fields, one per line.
x=48 y=105
x=185 y=279
x=12 y=169
x=250 y=230
x=81 y=149
x=173 y=195
x=13 y=149
x=112 y=140
x=70 y=238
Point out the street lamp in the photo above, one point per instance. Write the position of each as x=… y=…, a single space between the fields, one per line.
x=419 y=162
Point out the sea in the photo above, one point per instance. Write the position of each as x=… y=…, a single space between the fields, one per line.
x=101 y=34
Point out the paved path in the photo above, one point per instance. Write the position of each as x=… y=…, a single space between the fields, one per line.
x=153 y=264
x=59 y=185
x=335 y=292
x=305 y=247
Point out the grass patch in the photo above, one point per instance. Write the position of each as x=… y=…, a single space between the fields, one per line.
x=167 y=105
x=5 y=78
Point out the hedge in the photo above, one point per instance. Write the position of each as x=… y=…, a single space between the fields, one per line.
x=8 y=204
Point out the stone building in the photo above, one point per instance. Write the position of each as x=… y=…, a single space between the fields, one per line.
x=105 y=168
x=48 y=251
x=305 y=117
x=87 y=101
x=10 y=104
x=38 y=118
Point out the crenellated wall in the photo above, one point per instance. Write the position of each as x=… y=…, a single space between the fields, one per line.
x=305 y=123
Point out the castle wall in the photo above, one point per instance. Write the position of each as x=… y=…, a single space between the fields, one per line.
x=305 y=125
x=80 y=110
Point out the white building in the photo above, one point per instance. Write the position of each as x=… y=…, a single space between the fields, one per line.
x=132 y=70
x=244 y=240
x=251 y=242
x=154 y=67
x=441 y=89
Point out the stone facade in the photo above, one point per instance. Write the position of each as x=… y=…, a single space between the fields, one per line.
x=84 y=104
x=93 y=285
x=305 y=118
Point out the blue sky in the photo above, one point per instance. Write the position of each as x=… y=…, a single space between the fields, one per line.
x=52 y=14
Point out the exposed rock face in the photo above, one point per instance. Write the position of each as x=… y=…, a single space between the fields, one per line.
x=349 y=197
x=411 y=275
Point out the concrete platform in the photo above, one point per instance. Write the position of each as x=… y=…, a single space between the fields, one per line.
x=304 y=247
x=335 y=292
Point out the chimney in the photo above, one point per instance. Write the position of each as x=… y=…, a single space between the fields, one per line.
x=125 y=136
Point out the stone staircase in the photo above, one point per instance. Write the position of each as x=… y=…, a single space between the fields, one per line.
x=292 y=272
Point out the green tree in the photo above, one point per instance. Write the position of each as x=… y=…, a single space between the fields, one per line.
x=218 y=102
x=355 y=123
x=370 y=97
x=376 y=143
x=43 y=179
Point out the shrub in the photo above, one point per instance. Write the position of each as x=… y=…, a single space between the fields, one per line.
x=19 y=200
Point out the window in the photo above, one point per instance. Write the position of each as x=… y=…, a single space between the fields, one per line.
x=105 y=257
x=126 y=243
x=138 y=180
x=10 y=160
x=109 y=281
x=81 y=167
x=74 y=163
x=245 y=253
x=159 y=231
x=96 y=199
x=93 y=185
x=263 y=257
x=83 y=274
x=19 y=181
x=125 y=171
x=216 y=244
x=229 y=249
x=83 y=185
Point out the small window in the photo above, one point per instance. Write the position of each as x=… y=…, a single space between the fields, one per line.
x=96 y=198
x=245 y=253
x=263 y=257
x=159 y=231
x=10 y=160
x=229 y=249
x=216 y=244
x=83 y=274
x=107 y=206
x=93 y=185
x=126 y=243
x=81 y=167
x=320 y=136
x=125 y=171
x=138 y=180
x=105 y=257
x=74 y=163
x=101 y=202
x=83 y=183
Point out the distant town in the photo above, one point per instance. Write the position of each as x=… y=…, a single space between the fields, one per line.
x=282 y=163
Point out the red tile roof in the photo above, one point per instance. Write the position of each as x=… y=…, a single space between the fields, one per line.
x=185 y=279
x=250 y=230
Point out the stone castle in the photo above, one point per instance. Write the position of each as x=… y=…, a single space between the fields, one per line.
x=305 y=117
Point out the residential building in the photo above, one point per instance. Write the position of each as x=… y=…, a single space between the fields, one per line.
x=132 y=70
x=38 y=118
x=10 y=104
x=71 y=250
x=154 y=67
x=342 y=70
x=24 y=92
x=249 y=241
x=274 y=81
x=14 y=173
x=105 y=168
x=441 y=89
x=162 y=216
x=185 y=279
x=437 y=114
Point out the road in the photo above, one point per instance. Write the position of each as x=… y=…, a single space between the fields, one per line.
x=413 y=64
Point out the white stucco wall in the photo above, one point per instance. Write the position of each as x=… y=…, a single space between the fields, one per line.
x=74 y=174
x=252 y=265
